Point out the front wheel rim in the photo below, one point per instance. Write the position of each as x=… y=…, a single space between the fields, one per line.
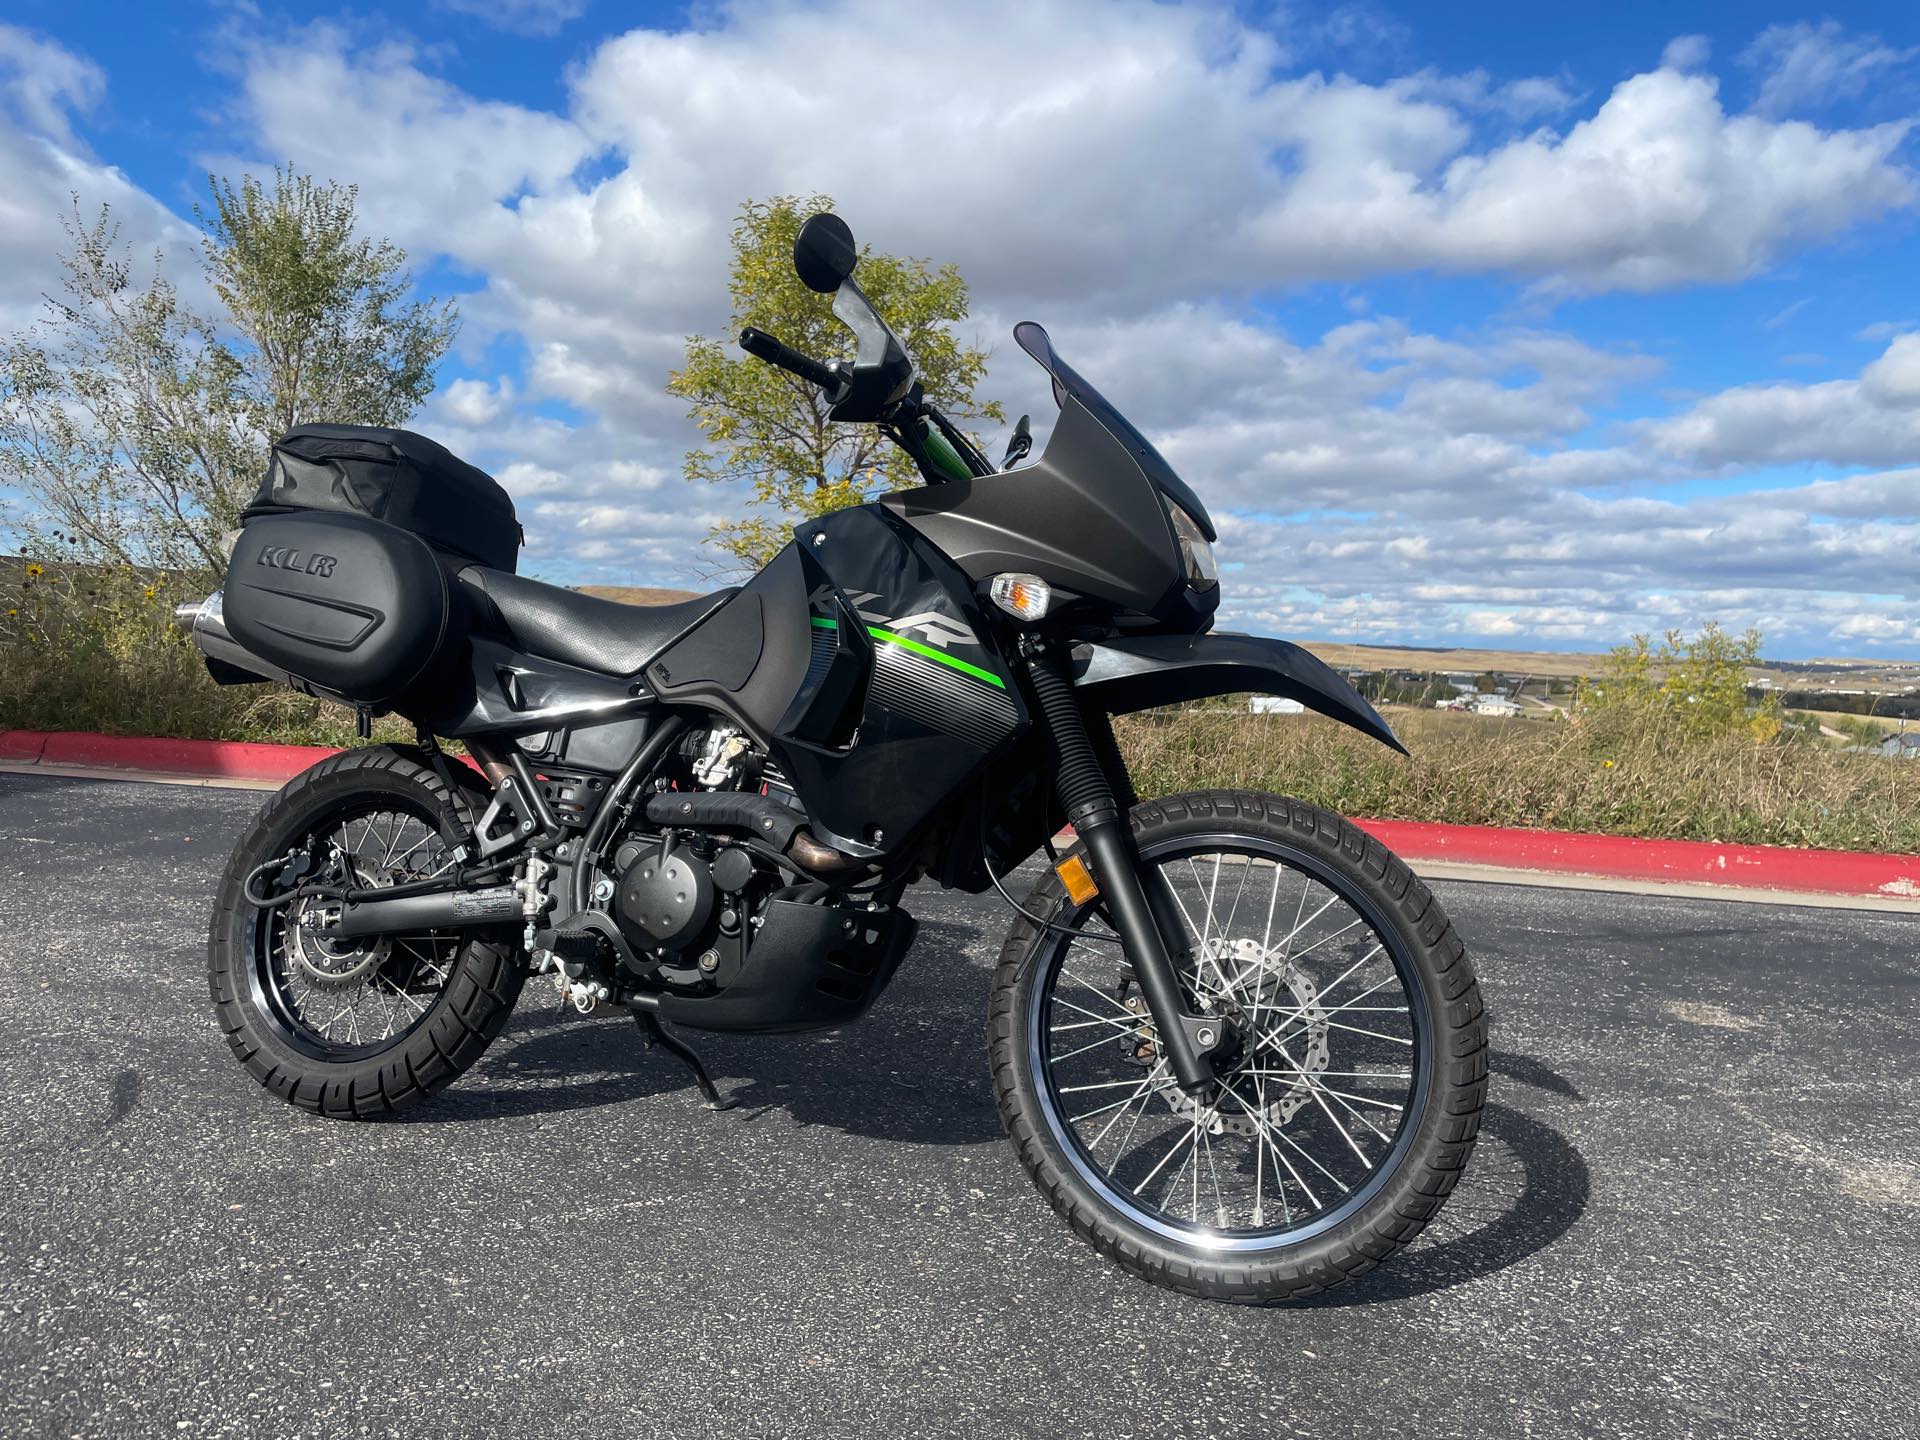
x=1183 y=1174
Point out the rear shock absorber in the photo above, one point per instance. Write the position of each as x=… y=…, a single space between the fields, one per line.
x=1087 y=796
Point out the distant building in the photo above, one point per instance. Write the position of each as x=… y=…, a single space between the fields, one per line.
x=1274 y=705
x=1495 y=705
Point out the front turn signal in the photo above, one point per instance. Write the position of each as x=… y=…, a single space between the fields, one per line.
x=1025 y=597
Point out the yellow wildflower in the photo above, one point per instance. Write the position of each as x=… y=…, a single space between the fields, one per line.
x=34 y=572
x=1607 y=763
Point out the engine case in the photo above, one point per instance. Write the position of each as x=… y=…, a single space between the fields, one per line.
x=665 y=899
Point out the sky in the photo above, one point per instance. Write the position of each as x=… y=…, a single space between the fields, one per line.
x=1496 y=324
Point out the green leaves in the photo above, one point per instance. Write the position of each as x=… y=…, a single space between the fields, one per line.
x=139 y=427
x=769 y=428
x=1696 y=687
x=325 y=329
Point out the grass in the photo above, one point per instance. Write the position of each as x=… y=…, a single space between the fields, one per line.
x=94 y=651
x=1597 y=774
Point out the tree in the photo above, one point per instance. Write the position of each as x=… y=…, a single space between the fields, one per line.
x=1696 y=686
x=139 y=427
x=768 y=427
x=324 y=312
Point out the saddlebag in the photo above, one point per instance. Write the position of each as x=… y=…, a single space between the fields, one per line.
x=394 y=476
x=356 y=610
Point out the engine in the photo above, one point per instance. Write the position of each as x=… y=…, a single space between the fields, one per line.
x=687 y=902
x=683 y=903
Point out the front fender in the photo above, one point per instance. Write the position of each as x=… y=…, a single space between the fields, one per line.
x=1149 y=670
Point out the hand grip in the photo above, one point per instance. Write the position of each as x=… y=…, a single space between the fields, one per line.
x=775 y=352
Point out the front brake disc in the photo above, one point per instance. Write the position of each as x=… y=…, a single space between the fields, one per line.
x=1276 y=1007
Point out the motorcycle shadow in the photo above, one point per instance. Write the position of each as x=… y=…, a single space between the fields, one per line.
x=908 y=1072
x=1525 y=1188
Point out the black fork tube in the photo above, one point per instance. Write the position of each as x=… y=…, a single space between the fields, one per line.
x=1087 y=795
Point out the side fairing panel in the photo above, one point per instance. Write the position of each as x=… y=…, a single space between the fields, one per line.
x=749 y=657
x=873 y=755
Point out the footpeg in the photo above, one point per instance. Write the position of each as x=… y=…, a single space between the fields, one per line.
x=656 y=1033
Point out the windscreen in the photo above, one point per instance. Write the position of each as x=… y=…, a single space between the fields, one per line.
x=1068 y=381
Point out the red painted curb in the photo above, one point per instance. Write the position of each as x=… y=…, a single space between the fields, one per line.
x=22 y=745
x=1620 y=857
x=1612 y=857
x=216 y=759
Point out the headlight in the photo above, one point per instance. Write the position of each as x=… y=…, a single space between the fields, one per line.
x=1196 y=551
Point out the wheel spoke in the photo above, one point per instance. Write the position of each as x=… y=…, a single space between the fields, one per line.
x=1295 y=1130
x=347 y=996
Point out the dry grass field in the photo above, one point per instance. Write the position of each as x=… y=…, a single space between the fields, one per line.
x=1600 y=773
x=639 y=594
x=1824 y=674
x=94 y=651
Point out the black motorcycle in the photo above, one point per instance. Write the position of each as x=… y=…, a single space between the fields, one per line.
x=1237 y=1045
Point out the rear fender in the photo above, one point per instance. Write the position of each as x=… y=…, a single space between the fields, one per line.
x=1148 y=670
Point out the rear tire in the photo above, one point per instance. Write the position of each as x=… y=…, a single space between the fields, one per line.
x=483 y=970
x=1411 y=1172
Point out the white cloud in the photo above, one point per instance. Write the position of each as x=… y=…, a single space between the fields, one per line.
x=1686 y=52
x=42 y=83
x=1358 y=465
x=1805 y=66
x=1874 y=420
x=475 y=402
x=44 y=167
x=1893 y=381
x=1131 y=173
x=519 y=17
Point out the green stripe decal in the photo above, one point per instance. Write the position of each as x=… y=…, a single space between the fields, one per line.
x=932 y=654
x=821 y=622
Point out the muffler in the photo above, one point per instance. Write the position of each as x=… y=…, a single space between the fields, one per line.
x=447 y=910
x=231 y=663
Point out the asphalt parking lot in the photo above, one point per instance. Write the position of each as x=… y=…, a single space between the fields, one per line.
x=1695 y=1209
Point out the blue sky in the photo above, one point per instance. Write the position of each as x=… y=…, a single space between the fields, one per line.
x=1478 y=324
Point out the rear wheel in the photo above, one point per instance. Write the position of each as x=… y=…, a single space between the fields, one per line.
x=362 y=1028
x=1347 y=1106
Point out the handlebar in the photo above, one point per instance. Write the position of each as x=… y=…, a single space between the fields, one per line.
x=777 y=352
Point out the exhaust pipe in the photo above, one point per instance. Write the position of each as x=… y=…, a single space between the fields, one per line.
x=450 y=910
x=231 y=662
x=759 y=815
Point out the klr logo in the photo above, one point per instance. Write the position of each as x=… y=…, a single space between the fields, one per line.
x=285 y=557
x=935 y=628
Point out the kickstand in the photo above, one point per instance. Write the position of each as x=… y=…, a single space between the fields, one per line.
x=655 y=1032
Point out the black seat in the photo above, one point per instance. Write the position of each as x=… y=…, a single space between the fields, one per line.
x=559 y=624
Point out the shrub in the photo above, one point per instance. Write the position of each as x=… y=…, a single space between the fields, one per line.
x=92 y=647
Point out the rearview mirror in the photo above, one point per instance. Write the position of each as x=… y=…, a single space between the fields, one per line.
x=823 y=253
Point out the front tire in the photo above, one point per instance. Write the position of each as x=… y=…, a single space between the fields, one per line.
x=1343 y=1172
x=356 y=1031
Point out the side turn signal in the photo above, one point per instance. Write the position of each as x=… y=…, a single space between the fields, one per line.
x=1025 y=597
x=1074 y=875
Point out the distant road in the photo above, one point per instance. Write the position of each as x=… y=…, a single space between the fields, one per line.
x=1695 y=1209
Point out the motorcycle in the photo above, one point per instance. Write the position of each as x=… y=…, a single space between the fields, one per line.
x=1234 y=1041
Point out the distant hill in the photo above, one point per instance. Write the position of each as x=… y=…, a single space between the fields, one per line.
x=1824 y=674
x=639 y=594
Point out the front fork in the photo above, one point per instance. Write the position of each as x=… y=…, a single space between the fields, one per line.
x=1086 y=768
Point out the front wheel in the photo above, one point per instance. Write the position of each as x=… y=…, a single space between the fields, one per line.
x=1347 y=1103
